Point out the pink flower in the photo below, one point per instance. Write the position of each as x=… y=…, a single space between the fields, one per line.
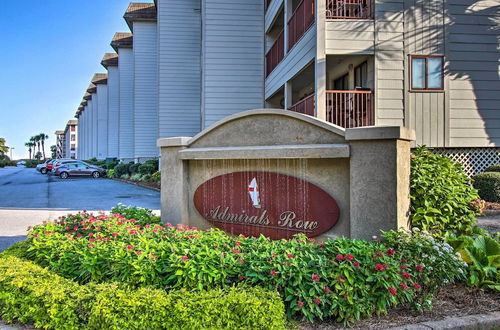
x=236 y=251
x=273 y=273
x=91 y=234
x=406 y=275
x=419 y=268
x=289 y=255
x=92 y=240
x=133 y=232
x=185 y=258
x=339 y=257
x=237 y=243
x=241 y=278
x=287 y=263
x=403 y=286
x=240 y=260
x=356 y=264
x=300 y=304
x=130 y=247
x=317 y=301
x=379 y=267
x=119 y=223
x=78 y=235
x=417 y=286
x=315 y=278
x=390 y=252
x=138 y=253
x=392 y=290
x=349 y=257
x=91 y=245
x=404 y=267
x=115 y=234
x=326 y=289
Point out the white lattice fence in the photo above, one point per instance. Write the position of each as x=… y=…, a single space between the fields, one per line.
x=474 y=160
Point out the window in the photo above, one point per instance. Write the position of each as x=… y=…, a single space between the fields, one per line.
x=342 y=83
x=72 y=147
x=427 y=72
x=72 y=128
x=73 y=137
x=361 y=75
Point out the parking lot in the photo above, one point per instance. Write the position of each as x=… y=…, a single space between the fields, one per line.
x=28 y=197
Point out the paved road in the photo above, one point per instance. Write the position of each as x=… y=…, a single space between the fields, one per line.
x=28 y=198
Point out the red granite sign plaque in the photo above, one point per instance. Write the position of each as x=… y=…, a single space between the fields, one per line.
x=272 y=204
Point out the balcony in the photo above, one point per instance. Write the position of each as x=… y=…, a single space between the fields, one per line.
x=276 y=54
x=304 y=106
x=301 y=20
x=350 y=109
x=349 y=9
x=266 y=4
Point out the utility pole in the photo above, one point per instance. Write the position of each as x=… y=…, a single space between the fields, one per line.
x=12 y=148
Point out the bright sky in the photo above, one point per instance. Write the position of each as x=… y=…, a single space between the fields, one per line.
x=49 y=51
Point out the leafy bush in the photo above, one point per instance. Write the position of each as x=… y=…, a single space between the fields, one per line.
x=493 y=168
x=110 y=173
x=146 y=168
x=342 y=278
x=136 y=177
x=142 y=215
x=482 y=254
x=109 y=165
x=121 y=169
x=154 y=162
x=7 y=162
x=146 y=178
x=125 y=176
x=32 y=163
x=488 y=186
x=133 y=168
x=32 y=294
x=441 y=195
x=156 y=177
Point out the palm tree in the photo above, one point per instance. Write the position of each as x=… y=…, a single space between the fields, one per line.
x=43 y=137
x=3 y=147
x=53 y=151
x=36 y=139
x=29 y=145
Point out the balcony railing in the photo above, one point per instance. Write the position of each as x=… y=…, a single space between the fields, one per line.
x=301 y=20
x=349 y=9
x=275 y=55
x=350 y=109
x=305 y=106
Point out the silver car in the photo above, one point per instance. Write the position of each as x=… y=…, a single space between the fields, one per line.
x=79 y=169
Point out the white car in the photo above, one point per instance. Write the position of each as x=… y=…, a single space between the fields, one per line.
x=21 y=163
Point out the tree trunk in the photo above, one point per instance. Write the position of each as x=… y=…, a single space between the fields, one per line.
x=43 y=149
x=30 y=152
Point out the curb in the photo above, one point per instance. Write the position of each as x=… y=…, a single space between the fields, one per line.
x=478 y=321
x=490 y=213
x=134 y=183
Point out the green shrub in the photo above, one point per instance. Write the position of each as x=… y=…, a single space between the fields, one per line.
x=441 y=195
x=154 y=162
x=156 y=177
x=110 y=173
x=133 y=168
x=31 y=294
x=125 y=176
x=146 y=168
x=32 y=163
x=136 y=177
x=493 y=168
x=341 y=278
x=142 y=215
x=146 y=178
x=109 y=165
x=121 y=169
x=488 y=186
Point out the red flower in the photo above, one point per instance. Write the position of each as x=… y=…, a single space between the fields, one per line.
x=379 y=267
x=406 y=275
x=133 y=232
x=345 y=295
x=312 y=240
x=77 y=235
x=287 y=263
x=91 y=234
x=115 y=234
x=317 y=301
x=273 y=273
x=130 y=247
x=92 y=240
x=339 y=257
x=403 y=286
x=419 y=268
x=392 y=290
x=139 y=253
x=289 y=255
x=154 y=256
x=185 y=258
x=120 y=223
x=349 y=257
x=75 y=228
x=417 y=286
x=241 y=278
x=91 y=245
x=237 y=243
x=241 y=260
x=300 y=304
x=315 y=278
x=404 y=267
x=389 y=252
x=326 y=289
x=356 y=264
x=236 y=251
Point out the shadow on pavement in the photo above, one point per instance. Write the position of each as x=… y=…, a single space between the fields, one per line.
x=6 y=241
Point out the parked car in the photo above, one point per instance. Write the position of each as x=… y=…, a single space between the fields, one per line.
x=58 y=162
x=79 y=169
x=21 y=163
x=42 y=168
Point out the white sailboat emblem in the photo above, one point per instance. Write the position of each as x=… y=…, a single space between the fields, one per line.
x=253 y=190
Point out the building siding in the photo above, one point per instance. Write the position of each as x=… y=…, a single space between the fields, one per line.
x=126 y=123
x=350 y=37
x=113 y=110
x=102 y=121
x=179 y=72
x=233 y=64
x=145 y=90
x=272 y=13
x=472 y=52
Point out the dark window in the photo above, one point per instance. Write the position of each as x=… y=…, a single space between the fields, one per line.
x=73 y=128
x=361 y=75
x=427 y=72
x=342 y=83
x=72 y=147
x=73 y=137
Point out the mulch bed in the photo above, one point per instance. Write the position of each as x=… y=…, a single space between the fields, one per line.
x=452 y=300
x=152 y=185
x=492 y=206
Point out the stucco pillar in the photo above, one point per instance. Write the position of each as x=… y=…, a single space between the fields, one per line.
x=288 y=95
x=380 y=179
x=320 y=66
x=174 y=181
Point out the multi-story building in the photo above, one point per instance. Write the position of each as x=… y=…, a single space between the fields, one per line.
x=60 y=144
x=428 y=65
x=71 y=139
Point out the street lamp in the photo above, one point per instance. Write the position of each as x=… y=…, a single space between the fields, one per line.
x=12 y=148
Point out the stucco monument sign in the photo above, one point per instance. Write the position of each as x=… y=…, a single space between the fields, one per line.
x=280 y=173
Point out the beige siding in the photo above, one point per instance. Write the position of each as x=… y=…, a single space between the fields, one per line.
x=473 y=72
x=389 y=62
x=350 y=36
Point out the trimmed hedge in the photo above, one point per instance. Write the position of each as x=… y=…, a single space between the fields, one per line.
x=488 y=186
x=147 y=168
x=493 y=168
x=32 y=294
x=121 y=169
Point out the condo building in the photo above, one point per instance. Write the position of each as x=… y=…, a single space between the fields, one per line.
x=60 y=144
x=428 y=65
x=71 y=140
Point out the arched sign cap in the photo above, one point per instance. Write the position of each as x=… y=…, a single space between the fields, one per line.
x=258 y=203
